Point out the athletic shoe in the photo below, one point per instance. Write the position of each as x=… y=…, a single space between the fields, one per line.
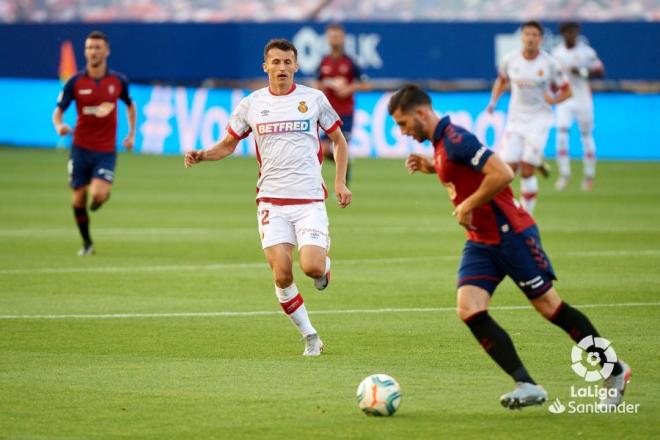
x=587 y=184
x=313 y=345
x=86 y=250
x=561 y=183
x=544 y=169
x=322 y=282
x=617 y=383
x=525 y=394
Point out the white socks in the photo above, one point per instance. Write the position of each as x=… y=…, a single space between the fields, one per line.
x=589 y=157
x=529 y=188
x=293 y=305
x=563 y=158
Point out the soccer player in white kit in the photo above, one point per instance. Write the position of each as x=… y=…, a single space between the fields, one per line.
x=537 y=82
x=285 y=118
x=580 y=63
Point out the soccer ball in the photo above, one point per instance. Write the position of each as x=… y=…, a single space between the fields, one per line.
x=379 y=395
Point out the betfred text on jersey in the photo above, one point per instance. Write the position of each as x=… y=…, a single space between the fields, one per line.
x=283 y=127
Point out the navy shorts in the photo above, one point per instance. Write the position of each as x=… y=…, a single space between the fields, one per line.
x=346 y=127
x=519 y=255
x=85 y=165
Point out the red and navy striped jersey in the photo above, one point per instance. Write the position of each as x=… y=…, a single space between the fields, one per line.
x=458 y=160
x=342 y=67
x=96 y=102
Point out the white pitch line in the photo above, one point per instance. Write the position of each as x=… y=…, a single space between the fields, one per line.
x=277 y=313
x=255 y=265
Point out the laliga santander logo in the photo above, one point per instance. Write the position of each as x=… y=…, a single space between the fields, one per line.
x=593 y=349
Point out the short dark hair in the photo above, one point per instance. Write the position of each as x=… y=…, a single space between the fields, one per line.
x=569 y=25
x=282 y=44
x=534 y=24
x=407 y=98
x=334 y=25
x=98 y=35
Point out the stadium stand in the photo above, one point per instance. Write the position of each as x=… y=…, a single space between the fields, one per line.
x=31 y=11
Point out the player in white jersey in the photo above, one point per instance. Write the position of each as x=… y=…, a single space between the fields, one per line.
x=580 y=62
x=537 y=82
x=285 y=118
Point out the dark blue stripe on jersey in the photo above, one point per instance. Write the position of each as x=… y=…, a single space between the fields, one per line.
x=461 y=146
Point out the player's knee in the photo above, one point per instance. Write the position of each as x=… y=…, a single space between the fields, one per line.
x=283 y=278
x=314 y=269
x=464 y=312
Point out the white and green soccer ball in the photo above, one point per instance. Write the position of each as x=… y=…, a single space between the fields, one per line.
x=379 y=395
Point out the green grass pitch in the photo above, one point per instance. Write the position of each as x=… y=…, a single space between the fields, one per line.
x=118 y=344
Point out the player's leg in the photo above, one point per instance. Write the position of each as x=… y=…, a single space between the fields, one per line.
x=80 y=171
x=312 y=234
x=278 y=240
x=532 y=159
x=478 y=278
x=586 y=125
x=578 y=326
x=103 y=176
x=511 y=148
x=100 y=193
x=564 y=115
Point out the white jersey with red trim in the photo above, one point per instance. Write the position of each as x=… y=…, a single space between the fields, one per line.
x=530 y=80
x=581 y=57
x=286 y=131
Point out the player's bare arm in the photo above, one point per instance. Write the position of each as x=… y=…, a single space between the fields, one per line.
x=499 y=87
x=346 y=89
x=415 y=163
x=219 y=151
x=497 y=176
x=564 y=93
x=344 y=195
x=131 y=115
x=61 y=128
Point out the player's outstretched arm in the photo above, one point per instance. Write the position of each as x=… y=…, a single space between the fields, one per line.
x=131 y=115
x=60 y=127
x=415 y=162
x=497 y=176
x=344 y=195
x=499 y=87
x=219 y=151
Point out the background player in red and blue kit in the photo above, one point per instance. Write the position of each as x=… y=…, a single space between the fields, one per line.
x=93 y=154
x=502 y=240
x=339 y=77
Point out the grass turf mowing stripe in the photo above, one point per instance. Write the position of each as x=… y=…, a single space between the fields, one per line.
x=256 y=265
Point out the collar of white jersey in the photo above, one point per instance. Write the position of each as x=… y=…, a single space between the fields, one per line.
x=290 y=91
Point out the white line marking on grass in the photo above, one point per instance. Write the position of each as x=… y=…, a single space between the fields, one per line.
x=255 y=265
x=318 y=312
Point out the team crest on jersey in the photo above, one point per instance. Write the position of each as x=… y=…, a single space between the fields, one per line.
x=265 y=112
x=540 y=72
x=302 y=107
x=111 y=89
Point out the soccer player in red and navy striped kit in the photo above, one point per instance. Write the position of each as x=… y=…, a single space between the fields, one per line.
x=93 y=154
x=503 y=240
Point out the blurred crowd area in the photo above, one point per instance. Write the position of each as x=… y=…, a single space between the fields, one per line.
x=31 y=11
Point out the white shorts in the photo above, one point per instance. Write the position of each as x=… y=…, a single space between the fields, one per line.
x=573 y=109
x=525 y=142
x=300 y=225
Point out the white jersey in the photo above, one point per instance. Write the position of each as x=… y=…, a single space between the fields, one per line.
x=530 y=81
x=285 y=129
x=581 y=56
